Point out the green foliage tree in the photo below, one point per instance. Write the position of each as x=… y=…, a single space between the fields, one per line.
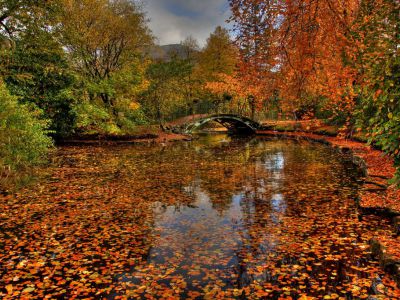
x=37 y=72
x=17 y=15
x=124 y=86
x=23 y=137
x=167 y=89
x=102 y=38
x=379 y=62
x=33 y=62
x=75 y=57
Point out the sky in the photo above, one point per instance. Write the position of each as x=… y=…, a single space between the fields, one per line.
x=173 y=20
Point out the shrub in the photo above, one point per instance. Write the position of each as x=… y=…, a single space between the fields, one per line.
x=95 y=118
x=23 y=137
x=91 y=118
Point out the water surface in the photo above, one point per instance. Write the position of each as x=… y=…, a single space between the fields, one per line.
x=219 y=217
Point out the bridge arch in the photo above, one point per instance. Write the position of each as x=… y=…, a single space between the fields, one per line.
x=234 y=123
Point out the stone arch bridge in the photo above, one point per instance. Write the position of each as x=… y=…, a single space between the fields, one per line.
x=234 y=123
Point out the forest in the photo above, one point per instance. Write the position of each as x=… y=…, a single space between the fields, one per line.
x=93 y=67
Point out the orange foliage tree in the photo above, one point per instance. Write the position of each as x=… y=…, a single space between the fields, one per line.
x=341 y=56
x=301 y=48
x=315 y=42
x=255 y=28
x=228 y=86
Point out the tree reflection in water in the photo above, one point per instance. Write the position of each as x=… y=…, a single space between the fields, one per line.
x=218 y=217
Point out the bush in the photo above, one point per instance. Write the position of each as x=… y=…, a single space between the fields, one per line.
x=385 y=128
x=97 y=119
x=91 y=118
x=23 y=137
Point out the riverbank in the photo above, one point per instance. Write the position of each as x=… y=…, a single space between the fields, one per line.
x=142 y=137
x=377 y=196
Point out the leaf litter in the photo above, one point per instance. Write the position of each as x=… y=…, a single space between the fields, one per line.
x=246 y=218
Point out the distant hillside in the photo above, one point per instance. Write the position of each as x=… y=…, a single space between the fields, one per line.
x=165 y=52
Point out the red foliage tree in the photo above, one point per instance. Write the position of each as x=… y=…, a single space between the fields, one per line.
x=299 y=47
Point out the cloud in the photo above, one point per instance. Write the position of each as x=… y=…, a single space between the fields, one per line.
x=173 y=20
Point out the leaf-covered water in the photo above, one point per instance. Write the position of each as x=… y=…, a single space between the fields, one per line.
x=214 y=218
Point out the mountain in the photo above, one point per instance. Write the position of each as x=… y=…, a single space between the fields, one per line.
x=166 y=52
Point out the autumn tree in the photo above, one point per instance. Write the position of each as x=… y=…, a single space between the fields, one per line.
x=190 y=49
x=216 y=68
x=228 y=91
x=316 y=45
x=191 y=82
x=339 y=56
x=304 y=49
x=255 y=27
x=219 y=56
x=167 y=89
x=102 y=38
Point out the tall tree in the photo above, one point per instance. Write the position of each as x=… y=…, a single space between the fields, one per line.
x=15 y=15
x=35 y=66
x=299 y=47
x=255 y=26
x=191 y=83
x=219 y=56
x=167 y=90
x=37 y=71
x=102 y=37
x=191 y=49
x=314 y=41
x=217 y=67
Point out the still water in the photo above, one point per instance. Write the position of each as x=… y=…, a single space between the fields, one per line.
x=216 y=218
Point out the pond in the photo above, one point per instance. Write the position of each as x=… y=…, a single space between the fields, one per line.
x=216 y=218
